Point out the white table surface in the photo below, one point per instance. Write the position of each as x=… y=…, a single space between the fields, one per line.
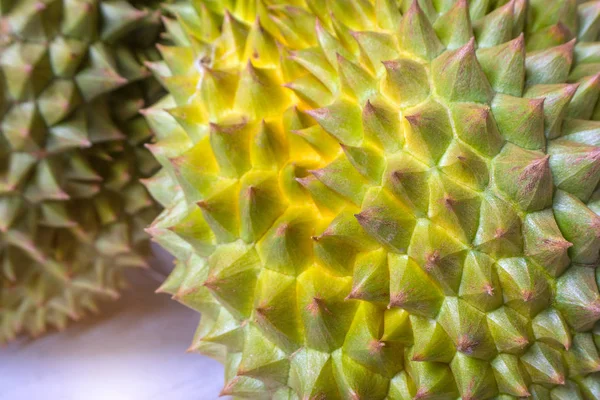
x=134 y=350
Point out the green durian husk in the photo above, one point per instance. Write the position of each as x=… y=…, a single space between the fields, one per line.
x=72 y=149
x=381 y=199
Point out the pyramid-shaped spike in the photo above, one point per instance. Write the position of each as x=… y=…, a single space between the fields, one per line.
x=271 y=367
x=344 y=232
x=416 y=34
x=411 y=289
x=520 y=121
x=431 y=342
x=496 y=27
x=231 y=147
x=406 y=82
x=556 y=99
x=234 y=267
x=476 y=126
x=524 y=286
x=524 y=176
x=499 y=230
x=371 y=274
x=386 y=220
x=579 y=225
x=454 y=208
x=325 y=314
x=586 y=96
x=582 y=358
x=311 y=90
x=342 y=120
x=363 y=345
x=318 y=64
x=368 y=161
x=575 y=167
x=260 y=204
x=544 y=242
x=396 y=326
x=551 y=36
x=303 y=378
x=474 y=378
x=581 y=131
x=433 y=378
x=221 y=213
x=407 y=179
x=259 y=93
x=463 y=165
x=350 y=184
x=287 y=246
x=454 y=26
x=504 y=66
x=510 y=377
x=428 y=131
x=272 y=307
x=261 y=48
x=544 y=365
x=357 y=380
x=467 y=327
x=509 y=330
x=376 y=48
x=480 y=286
x=356 y=82
x=549 y=66
x=382 y=125
x=550 y=327
x=439 y=254
x=577 y=298
x=452 y=68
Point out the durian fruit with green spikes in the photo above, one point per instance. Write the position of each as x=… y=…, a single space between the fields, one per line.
x=72 y=211
x=372 y=199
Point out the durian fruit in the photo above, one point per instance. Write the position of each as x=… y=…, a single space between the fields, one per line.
x=72 y=211
x=371 y=199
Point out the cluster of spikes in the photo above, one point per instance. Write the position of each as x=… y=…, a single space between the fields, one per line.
x=72 y=210
x=381 y=199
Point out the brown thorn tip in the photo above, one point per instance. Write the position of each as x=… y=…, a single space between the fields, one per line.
x=467 y=48
x=354 y=294
x=375 y=346
x=412 y=119
x=227 y=389
x=318 y=112
x=389 y=64
x=521 y=37
x=594 y=307
x=421 y=394
x=558 y=379
x=414 y=7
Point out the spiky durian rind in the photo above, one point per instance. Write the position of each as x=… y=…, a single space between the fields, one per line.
x=385 y=200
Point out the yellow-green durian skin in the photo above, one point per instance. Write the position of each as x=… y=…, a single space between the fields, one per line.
x=72 y=209
x=380 y=199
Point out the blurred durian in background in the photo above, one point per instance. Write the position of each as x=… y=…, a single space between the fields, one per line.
x=72 y=151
